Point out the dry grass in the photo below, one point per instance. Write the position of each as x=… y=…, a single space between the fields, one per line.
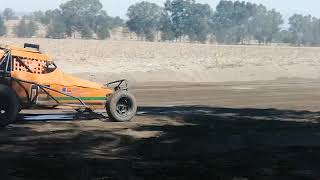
x=178 y=62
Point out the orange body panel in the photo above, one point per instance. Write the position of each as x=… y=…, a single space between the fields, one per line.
x=32 y=66
x=93 y=94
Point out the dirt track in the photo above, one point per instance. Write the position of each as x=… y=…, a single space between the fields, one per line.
x=254 y=130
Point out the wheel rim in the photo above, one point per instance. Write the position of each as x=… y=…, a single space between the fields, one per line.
x=4 y=110
x=124 y=106
x=3 y=113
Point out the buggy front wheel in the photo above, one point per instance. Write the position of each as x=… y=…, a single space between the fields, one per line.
x=121 y=106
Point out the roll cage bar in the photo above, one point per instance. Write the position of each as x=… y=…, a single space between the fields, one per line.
x=5 y=64
x=5 y=72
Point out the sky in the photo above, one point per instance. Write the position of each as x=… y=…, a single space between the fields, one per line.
x=119 y=7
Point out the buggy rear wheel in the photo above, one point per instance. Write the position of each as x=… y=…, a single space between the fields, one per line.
x=9 y=106
x=121 y=106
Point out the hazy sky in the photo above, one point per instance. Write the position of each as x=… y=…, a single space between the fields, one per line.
x=118 y=7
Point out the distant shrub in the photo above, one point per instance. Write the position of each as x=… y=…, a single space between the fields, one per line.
x=26 y=29
x=3 y=29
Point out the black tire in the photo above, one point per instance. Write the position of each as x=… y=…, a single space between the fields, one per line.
x=121 y=106
x=9 y=106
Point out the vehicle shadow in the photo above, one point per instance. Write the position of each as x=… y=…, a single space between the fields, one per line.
x=224 y=143
x=70 y=116
x=206 y=143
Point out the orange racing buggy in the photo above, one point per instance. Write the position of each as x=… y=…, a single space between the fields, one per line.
x=28 y=79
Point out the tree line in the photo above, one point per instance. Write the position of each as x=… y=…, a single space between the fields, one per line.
x=231 y=22
x=83 y=17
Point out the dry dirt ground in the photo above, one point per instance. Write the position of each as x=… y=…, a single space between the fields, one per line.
x=177 y=62
x=237 y=130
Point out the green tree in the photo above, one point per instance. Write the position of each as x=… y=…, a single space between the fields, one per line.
x=223 y=21
x=301 y=28
x=102 y=31
x=232 y=21
x=48 y=16
x=266 y=24
x=275 y=21
x=56 y=29
x=56 y=25
x=235 y=22
x=26 y=29
x=80 y=15
x=199 y=22
x=9 y=14
x=85 y=32
x=117 y=22
x=179 y=11
x=3 y=29
x=285 y=36
x=242 y=13
x=185 y=18
x=316 y=31
x=305 y=29
x=144 y=19
x=38 y=16
x=103 y=24
x=166 y=27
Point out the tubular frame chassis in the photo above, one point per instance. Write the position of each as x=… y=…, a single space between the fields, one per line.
x=5 y=78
